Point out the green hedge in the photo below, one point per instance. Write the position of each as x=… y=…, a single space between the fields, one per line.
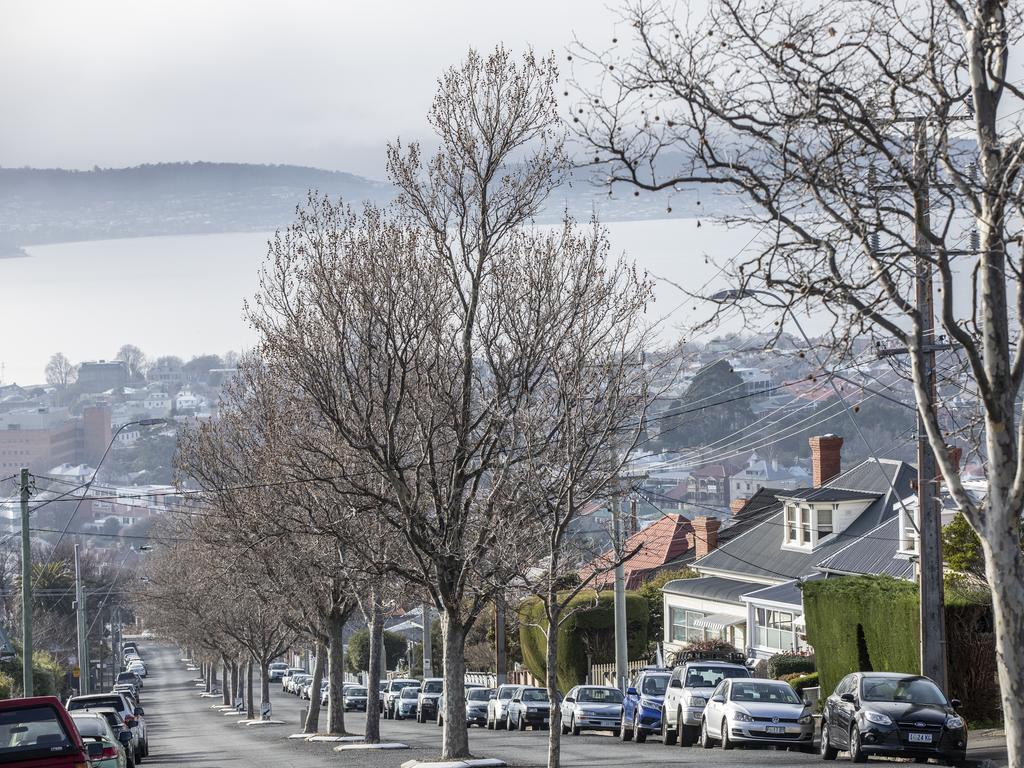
x=788 y=664
x=804 y=681
x=591 y=625
x=357 y=657
x=861 y=623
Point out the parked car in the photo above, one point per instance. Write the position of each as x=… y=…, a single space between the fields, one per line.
x=529 y=707
x=592 y=708
x=390 y=695
x=354 y=697
x=116 y=721
x=137 y=667
x=497 y=707
x=757 y=711
x=128 y=688
x=289 y=673
x=892 y=714
x=689 y=689
x=276 y=670
x=38 y=732
x=295 y=683
x=477 y=700
x=405 y=704
x=134 y=716
x=430 y=694
x=642 y=704
x=93 y=727
x=129 y=677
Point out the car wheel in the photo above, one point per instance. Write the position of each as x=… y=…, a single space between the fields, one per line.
x=704 y=740
x=564 y=728
x=856 y=750
x=508 y=722
x=726 y=742
x=574 y=726
x=625 y=734
x=828 y=752
x=639 y=734
x=419 y=717
x=440 y=719
x=500 y=723
x=668 y=738
x=521 y=723
x=490 y=723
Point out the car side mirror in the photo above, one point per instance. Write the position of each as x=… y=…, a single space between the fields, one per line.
x=570 y=698
x=95 y=750
x=125 y=736
x=675 y=684
x=631 y=691
x=955 y=703
x=492 y=697
x=718 y=699
x=849 y=698
x=139 y=712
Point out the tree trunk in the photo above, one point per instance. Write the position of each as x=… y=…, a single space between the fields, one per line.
x=454 y=737
x=336 y=674
x=312 y=722
x=1004 y=564
x=250 y=709
x=551 y=681
x=372 y=734
x=226 y=688
x=208 y=676
x=264 y=682
x=236 y=684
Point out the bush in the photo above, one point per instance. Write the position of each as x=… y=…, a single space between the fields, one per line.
x=789 y=663
x=799 y=682
x=358 y=656
x=590 y=627
x=651 y=592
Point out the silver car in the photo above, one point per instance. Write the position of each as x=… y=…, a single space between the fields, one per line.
x=592 y=708
x=497 y=707
x=757 y=711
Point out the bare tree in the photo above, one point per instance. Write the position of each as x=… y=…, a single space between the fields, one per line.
x=60 y=372
x=134 y=360
x=836 y=123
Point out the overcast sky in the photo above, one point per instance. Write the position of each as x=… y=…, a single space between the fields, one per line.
x=312 y=82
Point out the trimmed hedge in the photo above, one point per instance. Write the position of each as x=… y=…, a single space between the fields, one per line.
x=789 y=664
x=861 y=622
x=804 y=681
x=591 y=625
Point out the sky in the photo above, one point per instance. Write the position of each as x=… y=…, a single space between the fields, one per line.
x=122 y=82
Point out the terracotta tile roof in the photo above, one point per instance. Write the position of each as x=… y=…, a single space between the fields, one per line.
x=658 y=544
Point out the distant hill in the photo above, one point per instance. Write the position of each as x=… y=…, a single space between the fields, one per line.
x=54 y=205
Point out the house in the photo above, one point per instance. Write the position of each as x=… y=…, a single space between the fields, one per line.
x=760 y=473
x=749 y=587
x=667 y=543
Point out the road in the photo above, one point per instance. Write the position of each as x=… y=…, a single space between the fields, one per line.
x=184 y=731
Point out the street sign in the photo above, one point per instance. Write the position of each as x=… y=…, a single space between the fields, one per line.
x=76 y=673
x=239 y=703
x=265 y=710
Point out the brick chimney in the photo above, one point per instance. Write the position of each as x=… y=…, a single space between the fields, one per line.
x=737 y=505
x=826 y=458
x=956 y=455
x=705 y=534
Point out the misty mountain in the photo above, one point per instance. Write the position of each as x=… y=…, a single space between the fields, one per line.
x=53 y=205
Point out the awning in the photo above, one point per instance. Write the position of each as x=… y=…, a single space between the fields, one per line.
x=719 y=621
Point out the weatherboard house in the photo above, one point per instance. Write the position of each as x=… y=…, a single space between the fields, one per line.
x=749 y=588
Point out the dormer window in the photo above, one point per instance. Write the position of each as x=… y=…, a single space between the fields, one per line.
x=908 y=528
x=806 y=525
x=813 y=516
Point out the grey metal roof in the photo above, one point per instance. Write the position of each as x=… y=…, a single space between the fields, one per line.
x=788 y=593
x=712 y=588
x=874 y=553
x=758 y=552
x=825 y=493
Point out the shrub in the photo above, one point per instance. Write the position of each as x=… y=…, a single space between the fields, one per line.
x=589 y=629
x=799 y=682
x=788 y=664
x=358 y=656
x=651 y=592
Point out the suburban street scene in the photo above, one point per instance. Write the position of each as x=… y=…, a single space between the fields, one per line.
x=458 y=384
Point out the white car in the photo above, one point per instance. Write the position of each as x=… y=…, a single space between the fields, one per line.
x=497 y=707
x=138 y=668
x=592 y=708
x=757 y=711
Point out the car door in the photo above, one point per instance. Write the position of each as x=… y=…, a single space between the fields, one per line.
x=512 y=711
x=673 y=694
x=715 y=707
x=843 y=711
x=631 y=699
x=569 y=704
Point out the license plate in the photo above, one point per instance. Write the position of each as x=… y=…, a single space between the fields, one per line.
x=775 y=729
x=925 y=738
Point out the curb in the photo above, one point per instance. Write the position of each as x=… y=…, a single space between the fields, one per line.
x=381 y=745
x=477 y=762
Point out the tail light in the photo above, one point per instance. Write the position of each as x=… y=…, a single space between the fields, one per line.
x=130 y=721
x=109 y=753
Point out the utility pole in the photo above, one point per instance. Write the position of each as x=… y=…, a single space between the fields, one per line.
x=500 y=659
x=621 y=651
x=83 y=629
x=933 y=615
x=26 y=590
x=428 y=670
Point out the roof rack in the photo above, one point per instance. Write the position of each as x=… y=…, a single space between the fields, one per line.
x=733 y=657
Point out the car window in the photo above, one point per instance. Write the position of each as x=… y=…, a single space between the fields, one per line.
x=654 y=685
x=480 y=694
x=535 y=694
x=763 y=692
x=355 y=691
x=505 y=693
x=91 y=702
x=433 y=686
x=36 y=729
x=600 y=695
x=710 y=676
x=91 y=726
x=906 y=690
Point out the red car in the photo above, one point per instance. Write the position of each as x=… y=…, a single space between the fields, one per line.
x=39 y=733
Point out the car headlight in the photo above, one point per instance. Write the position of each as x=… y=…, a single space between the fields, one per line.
x=954 y=722
x=698 y=701
x=877 y=718
x=742 y=717
x=805 y=719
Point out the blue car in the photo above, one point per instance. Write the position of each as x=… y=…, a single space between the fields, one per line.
x=641 y=708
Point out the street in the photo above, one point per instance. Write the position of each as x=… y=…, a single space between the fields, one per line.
x=186 y=732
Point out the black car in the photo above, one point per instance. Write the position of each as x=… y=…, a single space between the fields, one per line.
x=476 y=705
x=892 y=714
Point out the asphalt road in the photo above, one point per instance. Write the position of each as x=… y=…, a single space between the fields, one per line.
x=184 y=731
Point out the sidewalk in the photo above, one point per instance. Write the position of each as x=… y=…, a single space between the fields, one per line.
x=987 y=748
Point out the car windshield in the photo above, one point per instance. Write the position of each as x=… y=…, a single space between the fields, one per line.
x=710 y=677
x=654 y=685
x=410 y=693
x=129 y=676
x=91 y=726
x=910 y=690
x=764 y=693
x=355 y=691
x=505 y=693
x=535 y=694
x=480 y=694
x=91 y=702
x=113 y=720
x=433 y=686
x=599 y=695
x=32 y=730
